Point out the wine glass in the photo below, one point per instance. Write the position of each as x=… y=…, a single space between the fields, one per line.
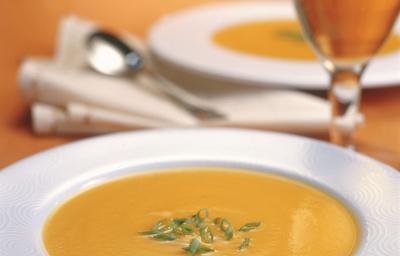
x=345 y=34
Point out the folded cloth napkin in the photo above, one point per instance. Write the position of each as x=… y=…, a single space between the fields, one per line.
x=68 y=97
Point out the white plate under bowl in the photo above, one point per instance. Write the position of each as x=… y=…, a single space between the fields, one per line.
x=32 y=188
x=184 y=40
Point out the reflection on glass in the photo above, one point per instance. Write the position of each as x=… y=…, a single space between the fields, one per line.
x=346 y=34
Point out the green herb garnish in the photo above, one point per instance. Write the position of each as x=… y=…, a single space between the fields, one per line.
x=187 y=229
x=163 y=226
x=199 y=218
x=250 y=226
x=245 y=243
x=204 y=249
x=165 y=237
x=178 y=221
x=150 y=232
x=291 y=34
x=195 y=247
x=206 y=235
x=217 y=220
x=227 y=228
x=199 y=227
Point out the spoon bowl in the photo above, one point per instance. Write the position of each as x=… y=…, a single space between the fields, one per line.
x=109 y=55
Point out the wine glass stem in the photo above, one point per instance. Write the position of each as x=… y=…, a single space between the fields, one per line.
x=344 y=95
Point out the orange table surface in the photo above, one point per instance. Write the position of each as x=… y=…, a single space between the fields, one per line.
x=28 y=28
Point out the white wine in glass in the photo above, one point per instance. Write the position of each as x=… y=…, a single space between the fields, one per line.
x=345 y=34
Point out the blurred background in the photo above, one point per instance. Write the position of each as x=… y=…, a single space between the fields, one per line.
x=29 y=28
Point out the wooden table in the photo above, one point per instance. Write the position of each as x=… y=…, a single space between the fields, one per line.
x=29 y=28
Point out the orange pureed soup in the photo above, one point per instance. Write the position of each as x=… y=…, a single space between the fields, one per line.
x=286 y=217
x=281 y=39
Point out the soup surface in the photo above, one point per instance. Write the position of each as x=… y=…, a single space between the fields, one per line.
x=295 y=219
x=280 y=39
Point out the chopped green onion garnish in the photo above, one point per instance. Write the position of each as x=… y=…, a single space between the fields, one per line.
x=203 y=214
x=199 y=225
x=250 y=226
x=187 y=229
x=217 y=220
x=227 y=228
x=163 y=225
x=178 y=221
x=204 y=249
x=165 y=237
x=291 y=34
x=199 y=218
x=196 y=247
x=193 y=246
x=206 y=235
x=245 y=243
x=150 y=232
x=197 y=221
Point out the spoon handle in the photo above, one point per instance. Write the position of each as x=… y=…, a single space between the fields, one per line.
x=126 y=60
x=191 y=103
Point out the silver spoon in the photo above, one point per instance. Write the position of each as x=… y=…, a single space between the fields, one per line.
x=107 y=54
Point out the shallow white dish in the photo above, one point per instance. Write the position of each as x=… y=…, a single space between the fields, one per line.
x=30 y=189
x=184 y=39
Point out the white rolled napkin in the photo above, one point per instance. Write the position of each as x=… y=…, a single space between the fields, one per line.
x=51 y=119
x=68 y=97
x=47 y=82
